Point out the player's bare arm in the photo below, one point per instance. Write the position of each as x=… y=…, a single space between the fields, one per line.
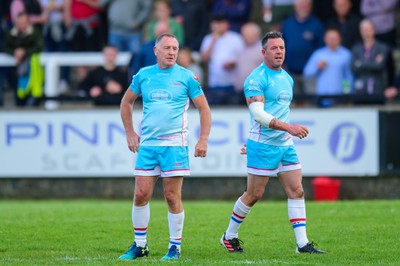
x=126 y=115
x=205 y=125
x=256 y=106
x=253 y=99
x=294 y=130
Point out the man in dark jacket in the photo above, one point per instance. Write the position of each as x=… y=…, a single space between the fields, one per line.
x=370 y=61
x=106 y=84
x=25 y=42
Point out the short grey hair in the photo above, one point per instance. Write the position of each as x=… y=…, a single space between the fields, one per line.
x=161 y=36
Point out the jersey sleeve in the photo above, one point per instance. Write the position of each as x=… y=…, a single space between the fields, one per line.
x=135 y=84
x=195 y=89
x=253 y=86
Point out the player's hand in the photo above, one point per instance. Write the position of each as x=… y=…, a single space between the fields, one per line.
x=201 y=149
x=298 y=131
x=243 y=150
x=133 y=142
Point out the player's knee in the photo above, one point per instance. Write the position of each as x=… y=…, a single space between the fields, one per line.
x=141 y=197
x=173 y=199
x=252 y=198
x=298 y=193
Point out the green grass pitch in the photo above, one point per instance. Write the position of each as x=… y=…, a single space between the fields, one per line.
x=96 y=232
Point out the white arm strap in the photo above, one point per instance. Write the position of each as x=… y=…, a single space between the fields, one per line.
x=258 y=113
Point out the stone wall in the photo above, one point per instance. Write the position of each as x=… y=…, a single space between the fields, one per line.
x=383 y=187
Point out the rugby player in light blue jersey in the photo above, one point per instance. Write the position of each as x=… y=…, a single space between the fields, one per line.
x=270 y=151
x=166 y=89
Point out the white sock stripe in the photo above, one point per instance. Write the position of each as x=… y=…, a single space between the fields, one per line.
x=296 y=203
x=146 y=206
x=245 y=209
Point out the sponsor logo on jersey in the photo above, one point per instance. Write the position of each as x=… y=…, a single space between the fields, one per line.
x=160 y=95
x=284 y=97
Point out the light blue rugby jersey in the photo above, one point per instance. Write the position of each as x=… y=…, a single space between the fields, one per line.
x=165 y=94
x=277 y=89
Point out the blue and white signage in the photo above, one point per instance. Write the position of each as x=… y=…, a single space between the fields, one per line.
x=91 y=143
x=342 y=142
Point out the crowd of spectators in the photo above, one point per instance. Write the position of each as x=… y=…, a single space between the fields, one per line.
x=333 y=47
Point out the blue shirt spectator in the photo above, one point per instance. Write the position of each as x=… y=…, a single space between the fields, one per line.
x=331 y=66
x=303 y=34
